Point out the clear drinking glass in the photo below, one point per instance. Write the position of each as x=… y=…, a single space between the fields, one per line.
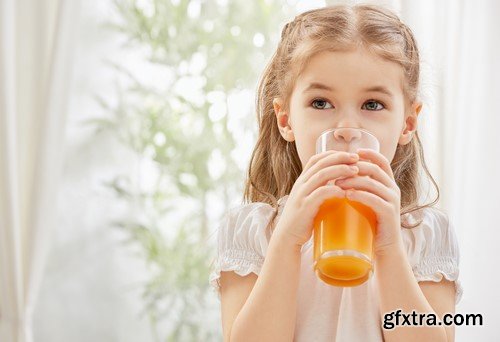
x=344 y=230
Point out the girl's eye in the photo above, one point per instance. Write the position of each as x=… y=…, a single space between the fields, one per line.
x=321 y=104
x=372 y=105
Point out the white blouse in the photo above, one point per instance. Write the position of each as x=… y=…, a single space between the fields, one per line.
x=324 y=312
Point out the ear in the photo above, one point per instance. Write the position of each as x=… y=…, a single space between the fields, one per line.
x=283 y=119
x=410 y=124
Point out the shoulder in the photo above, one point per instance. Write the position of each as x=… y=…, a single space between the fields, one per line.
x=254 y=210
x=435 y=234
x=242 y=241
x=245 y=221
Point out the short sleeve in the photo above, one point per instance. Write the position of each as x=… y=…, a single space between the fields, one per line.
x=242 y=241
x=433 y=249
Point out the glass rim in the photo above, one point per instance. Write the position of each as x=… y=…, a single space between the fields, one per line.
x=337 y=128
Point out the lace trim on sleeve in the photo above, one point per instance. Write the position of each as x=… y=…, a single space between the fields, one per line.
x=242 y=262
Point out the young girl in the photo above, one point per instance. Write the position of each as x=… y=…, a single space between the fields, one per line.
x=341 y=66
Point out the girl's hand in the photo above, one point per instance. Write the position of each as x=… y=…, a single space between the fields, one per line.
x=375 y=187
x=311 y=190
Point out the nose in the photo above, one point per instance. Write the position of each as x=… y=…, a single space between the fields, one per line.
x=347 y=134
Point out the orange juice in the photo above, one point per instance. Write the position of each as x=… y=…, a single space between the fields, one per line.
x=343 y=242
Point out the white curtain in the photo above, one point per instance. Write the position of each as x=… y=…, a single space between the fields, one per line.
x=36 y=46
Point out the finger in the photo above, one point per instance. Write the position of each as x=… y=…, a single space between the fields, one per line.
x=317 y=157
x=376 y=203
x=321 y=194
x=377 y=158
x=375 y=171
x=367 y=184
x=327 y=174
x=338 y=157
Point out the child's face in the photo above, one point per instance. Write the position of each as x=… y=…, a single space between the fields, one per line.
x=348 y=103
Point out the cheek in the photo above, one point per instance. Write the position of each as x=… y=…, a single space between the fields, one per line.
x=389 y=143
x=305 y=133
x=305 y=143
x=389 y=131
x=388 y=152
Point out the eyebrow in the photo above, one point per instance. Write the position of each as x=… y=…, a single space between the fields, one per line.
x=377 y=88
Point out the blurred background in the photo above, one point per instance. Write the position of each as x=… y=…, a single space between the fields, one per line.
x=126 y=128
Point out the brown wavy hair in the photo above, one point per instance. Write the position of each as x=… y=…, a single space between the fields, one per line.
x=275 y=165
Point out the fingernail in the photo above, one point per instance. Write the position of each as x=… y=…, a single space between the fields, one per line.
x=353 y=155
x=354 y=168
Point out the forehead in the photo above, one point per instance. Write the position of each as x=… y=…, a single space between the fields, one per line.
x=351 y=70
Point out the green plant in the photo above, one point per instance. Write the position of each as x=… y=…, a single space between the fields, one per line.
x=218 y=48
